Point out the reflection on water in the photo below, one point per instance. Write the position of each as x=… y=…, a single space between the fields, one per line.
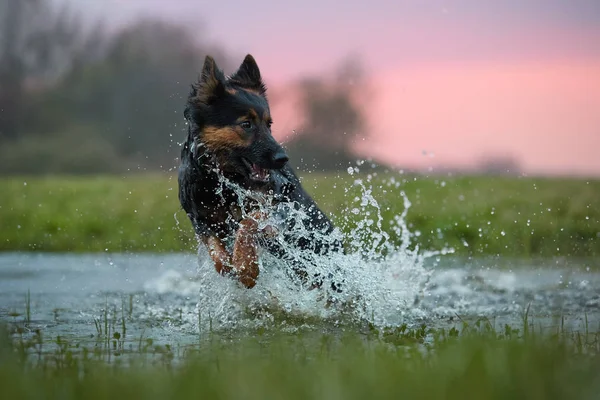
x=161 y=296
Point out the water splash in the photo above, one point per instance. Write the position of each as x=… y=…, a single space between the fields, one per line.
x=383 y=274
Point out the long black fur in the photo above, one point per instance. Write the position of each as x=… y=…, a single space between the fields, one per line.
x=216 y=101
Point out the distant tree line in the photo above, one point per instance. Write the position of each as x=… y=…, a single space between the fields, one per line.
x=75 y=99
x=334 y=118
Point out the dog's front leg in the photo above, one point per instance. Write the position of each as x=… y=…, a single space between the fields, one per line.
x=244 y=265
x=244 y=262
x=219 y=254
x=245 y=252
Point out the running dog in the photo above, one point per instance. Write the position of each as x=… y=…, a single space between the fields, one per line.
x=229 y=142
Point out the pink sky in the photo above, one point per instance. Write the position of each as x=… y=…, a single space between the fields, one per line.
x=460 y=79
x=545 y=114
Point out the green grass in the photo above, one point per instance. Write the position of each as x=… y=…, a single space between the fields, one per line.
x=475 y=363
x=521 y=217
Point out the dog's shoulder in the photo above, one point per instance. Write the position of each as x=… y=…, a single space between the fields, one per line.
x=295 y=190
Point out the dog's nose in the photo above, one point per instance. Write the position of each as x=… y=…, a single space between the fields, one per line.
x=280 y=158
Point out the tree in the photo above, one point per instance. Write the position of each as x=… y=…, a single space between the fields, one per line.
x=498 y=164
x=38 y=44
x=334 y=118
x=77 y=100
x=135 y=96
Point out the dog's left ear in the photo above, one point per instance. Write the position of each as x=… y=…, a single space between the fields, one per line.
x=248 y=76
x=210 y=85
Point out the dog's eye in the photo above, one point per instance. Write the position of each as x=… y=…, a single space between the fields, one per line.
x=246 y=125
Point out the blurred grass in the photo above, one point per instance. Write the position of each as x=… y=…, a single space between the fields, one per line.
x=476 y=215
x=478 y=364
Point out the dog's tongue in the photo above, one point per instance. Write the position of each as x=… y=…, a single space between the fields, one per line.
x=259 y=172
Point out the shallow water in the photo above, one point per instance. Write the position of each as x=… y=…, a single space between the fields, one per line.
x=178 y=299
x=167 y=297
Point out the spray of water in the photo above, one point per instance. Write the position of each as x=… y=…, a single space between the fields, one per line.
x=382 y=276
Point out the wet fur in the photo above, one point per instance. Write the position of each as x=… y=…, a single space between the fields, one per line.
x=218 y=111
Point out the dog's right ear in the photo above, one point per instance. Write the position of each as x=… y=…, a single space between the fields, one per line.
x=210 y=85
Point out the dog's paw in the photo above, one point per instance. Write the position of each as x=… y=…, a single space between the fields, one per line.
x=259 y=220
x=269 y=231
x=248 y=279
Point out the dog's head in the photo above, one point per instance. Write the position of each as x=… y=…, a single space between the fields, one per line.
x=230 y=118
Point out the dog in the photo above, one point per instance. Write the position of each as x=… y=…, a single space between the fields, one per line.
x=229 y=144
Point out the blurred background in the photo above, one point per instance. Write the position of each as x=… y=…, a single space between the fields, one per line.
x=429 y=86
x=487 y=113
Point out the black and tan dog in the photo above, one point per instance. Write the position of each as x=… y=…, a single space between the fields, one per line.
x=229 y=140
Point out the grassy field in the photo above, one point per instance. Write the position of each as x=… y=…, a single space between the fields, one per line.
x=475 y=215
x=475 y=362
x=521 y=217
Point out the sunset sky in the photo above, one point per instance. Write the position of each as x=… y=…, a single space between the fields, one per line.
x=454 y=81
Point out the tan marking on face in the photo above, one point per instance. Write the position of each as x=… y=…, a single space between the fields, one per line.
x=253 y=114
x=253 y=91
x=223 y=138
x=231 y=91
x=267 y=116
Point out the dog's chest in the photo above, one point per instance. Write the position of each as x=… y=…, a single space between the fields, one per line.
x=236 y=212
x=222 y=212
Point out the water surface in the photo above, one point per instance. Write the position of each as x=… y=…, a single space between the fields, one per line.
x=167 y=297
